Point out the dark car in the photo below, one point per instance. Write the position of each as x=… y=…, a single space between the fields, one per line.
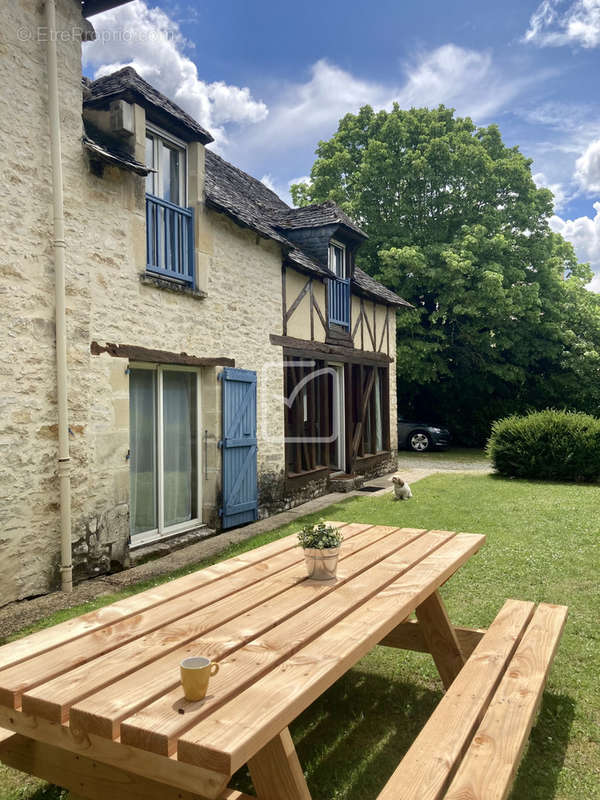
x=421 y=436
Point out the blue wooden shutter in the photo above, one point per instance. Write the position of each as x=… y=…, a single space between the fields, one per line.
x=239 y=448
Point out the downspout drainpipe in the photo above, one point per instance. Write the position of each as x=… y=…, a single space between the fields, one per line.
x=64 y=461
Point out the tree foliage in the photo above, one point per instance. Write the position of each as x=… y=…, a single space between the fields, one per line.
x=502 y=320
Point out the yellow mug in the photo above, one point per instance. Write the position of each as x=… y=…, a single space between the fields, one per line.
x=195 y=673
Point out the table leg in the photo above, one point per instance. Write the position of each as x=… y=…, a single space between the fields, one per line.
x=276 y=772
x=440 y=637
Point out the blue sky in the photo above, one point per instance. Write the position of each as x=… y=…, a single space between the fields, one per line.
x=269 y=79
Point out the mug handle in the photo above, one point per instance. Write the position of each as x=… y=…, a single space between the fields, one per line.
x=214 y=668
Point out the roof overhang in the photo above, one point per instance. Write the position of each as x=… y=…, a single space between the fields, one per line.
x=91 y=7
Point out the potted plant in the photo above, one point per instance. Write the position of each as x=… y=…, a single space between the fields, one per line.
x=321 y=543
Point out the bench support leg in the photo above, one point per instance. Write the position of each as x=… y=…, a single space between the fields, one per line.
x=276 y=772
x=440 y=637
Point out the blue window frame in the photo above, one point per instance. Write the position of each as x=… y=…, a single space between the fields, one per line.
x=339 y=288
x=169 y=224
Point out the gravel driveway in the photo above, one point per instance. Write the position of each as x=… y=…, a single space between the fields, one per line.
x=455 y=460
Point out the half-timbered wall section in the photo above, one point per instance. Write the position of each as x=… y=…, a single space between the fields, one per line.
x=337 y=383
x=304 y=306
x=309 y=422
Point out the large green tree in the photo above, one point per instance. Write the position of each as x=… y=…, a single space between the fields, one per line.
x=502 y=320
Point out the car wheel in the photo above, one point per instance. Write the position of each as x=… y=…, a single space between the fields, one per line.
x=419 y=441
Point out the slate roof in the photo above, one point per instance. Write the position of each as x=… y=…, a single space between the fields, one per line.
x=251 y=203
x=127 y=84
x=102 y=148
x=102 y=153
x=373 y=288
x=316 y=215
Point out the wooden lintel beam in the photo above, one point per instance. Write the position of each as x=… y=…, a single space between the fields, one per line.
x=135 y=353
x=304 y=348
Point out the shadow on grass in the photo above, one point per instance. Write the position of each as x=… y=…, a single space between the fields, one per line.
x=353 y=737
x=538 y=775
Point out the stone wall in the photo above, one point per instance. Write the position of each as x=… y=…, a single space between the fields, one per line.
x=107 y=301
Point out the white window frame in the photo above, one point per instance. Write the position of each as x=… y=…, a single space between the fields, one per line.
x=156 y=134
x=162 y=532
x=339 y=414
x=333 y=243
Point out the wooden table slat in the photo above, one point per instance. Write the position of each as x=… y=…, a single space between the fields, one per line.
x=185 y=637
x=40 y=642
x=281 y=641
x=16 y=680
x=230 y=736
x=102 y=711
x=158 y=726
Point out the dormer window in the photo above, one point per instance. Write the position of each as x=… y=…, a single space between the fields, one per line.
x=337 y=260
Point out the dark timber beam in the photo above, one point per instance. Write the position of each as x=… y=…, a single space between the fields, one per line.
x=307 y=349
x=135 y=353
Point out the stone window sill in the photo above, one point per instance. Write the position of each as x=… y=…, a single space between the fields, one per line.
x=171 y=286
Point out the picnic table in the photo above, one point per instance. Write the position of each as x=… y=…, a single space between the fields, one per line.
x=95 y=704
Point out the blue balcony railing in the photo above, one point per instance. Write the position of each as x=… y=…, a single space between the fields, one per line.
x=169 y=240
x=339 y=302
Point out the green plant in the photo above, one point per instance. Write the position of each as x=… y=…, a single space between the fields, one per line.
x=320 y=536
x=550 y=445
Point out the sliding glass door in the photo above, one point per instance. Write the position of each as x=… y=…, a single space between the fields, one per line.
x=164 y=453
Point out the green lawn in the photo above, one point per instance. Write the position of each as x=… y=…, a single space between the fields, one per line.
x=542 y=545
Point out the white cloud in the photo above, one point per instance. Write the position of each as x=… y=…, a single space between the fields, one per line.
x=302 y=179
x=584 y=235
x=149 y=41
x=268 y=182
x=560 y=195
x=587 y=168
x=306 y=112
x=579 y=24
x=455 y=76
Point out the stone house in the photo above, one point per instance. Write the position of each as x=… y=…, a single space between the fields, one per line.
x=224 y=356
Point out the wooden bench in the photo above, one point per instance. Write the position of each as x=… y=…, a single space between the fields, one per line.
x=471 y=746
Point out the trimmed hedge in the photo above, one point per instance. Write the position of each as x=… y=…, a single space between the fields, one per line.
x=550 y=445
